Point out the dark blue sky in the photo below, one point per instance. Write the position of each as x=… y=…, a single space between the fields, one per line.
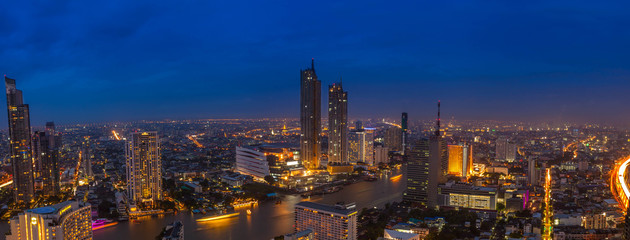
x=87 y=61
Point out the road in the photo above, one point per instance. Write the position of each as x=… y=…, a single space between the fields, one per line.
x=548 y=220
x=619 y=185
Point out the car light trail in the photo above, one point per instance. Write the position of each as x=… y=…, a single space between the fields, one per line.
x=6 y=184
x=619 y=185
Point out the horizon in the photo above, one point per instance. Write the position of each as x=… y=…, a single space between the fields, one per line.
x=545 y=61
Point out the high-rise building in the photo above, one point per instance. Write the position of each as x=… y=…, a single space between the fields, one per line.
x=534 y=171
x=438 y=158
x=460 y=160
x=327 y=222
x=337 y=124
x=86 y=158
x=144 y=167
x=393 y=138
x=427 y=167
x=66 y=220
x=20 y=144
x=418 y=173
x=361 y=146
x=381 y=155
x=505 y=149
x=405 y=129
x=46 y=146
x=252 y=162
x=310 y=118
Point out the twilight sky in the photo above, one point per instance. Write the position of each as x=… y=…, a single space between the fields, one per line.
x=94 y=61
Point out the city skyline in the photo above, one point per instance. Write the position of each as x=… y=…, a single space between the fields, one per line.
x=569 y=64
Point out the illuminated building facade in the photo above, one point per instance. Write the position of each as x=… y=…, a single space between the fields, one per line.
x=505 y=149
x=144 y=167
x=460 y=160
x=418 y=174
x=46 y=147
x=464 y=195
x=310 y=118
x=327 y=222
x=361 y=145
x=337 y=125
x=252 y=162
x=20 y=144
x=393 y=138
x=67 y=220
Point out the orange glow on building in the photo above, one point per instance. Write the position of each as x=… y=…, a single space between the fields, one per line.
x=460 y=160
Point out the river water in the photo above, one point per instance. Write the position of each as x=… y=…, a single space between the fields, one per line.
x=266 y=221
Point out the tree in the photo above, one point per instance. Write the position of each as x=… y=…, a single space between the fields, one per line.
x=270 y=179
x=500 y=207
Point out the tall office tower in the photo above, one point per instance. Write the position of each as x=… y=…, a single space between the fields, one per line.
x=438 y=163
x=534 y=171
x=460 y=160
x=381 y=155
x=510 y=154
x=418 y=174
x=66 y=220
x=501 y=144
x=86 y=158
x=361 y=146
x=20 y=144
x=310 y=118
x=505 y=149
x=393 y=138
x=405 y=129
x=327 y=222
x=144 y=167
x=337 y=124
x=46 y=156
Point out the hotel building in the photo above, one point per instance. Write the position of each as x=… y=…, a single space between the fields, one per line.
x=67 y=220
x=327 y=222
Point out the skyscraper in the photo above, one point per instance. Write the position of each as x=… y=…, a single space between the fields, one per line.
x=20 y=144
x=393 y=138
x=505 y=149
x=460 y=160
x=427 y=167
x=66 y=220
x=403 y=125
x=46 y=147
x=86 y=158
x=327 y=222
x=439 y=152
x=418 y=173
x=361 y=145
x=144 y=167
x=310 y=118
x=337 y=124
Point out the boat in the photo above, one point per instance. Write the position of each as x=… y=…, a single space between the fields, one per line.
x=218 y=216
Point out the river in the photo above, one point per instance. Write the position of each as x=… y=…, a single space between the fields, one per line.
x=266 y=221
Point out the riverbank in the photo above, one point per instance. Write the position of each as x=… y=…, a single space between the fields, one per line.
x=267 y=220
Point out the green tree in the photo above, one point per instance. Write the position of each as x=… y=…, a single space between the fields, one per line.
x=270 y=179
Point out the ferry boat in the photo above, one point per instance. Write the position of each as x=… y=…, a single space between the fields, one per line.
x=218 y=216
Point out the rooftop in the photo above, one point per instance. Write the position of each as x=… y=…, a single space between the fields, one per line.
x=328 y=208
